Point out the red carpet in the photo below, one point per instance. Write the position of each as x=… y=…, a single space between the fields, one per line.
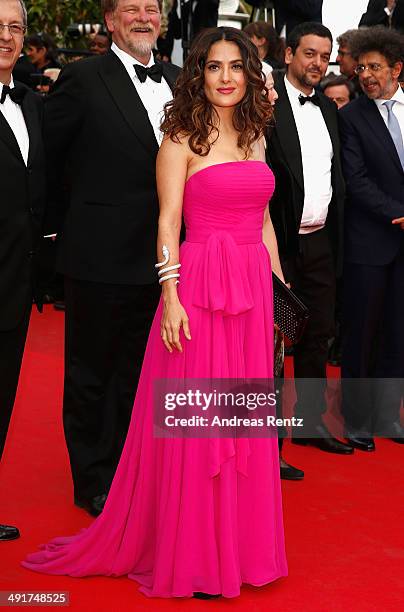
x=344 y=522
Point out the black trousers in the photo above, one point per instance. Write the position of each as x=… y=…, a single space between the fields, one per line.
x=373 y=346
x=312 y=276
x=107 y=327
x=12 y=344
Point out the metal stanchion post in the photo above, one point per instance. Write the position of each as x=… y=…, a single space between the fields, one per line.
x=263 y=5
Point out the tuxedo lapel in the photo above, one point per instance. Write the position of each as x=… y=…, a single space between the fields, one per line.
x=7 y=135
x=330 y=121
x=32 y=123
x=378 y=127
x=127 y=99
x=168 y=74
x=287 y=133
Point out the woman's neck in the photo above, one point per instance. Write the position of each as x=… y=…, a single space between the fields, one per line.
x=224 y=117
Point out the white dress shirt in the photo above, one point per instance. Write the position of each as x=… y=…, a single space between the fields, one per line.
x=13 y=115
x=153 y=95
x=317 y=153
x=398 y=108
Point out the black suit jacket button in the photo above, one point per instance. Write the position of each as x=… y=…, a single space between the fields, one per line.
x=32 y=211
x=31 y=254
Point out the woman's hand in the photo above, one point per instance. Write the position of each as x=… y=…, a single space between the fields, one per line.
x=174 y=317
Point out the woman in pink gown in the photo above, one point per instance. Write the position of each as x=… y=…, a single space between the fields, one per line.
x=188 y=515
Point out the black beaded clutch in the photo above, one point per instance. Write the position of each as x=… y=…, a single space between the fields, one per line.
x=290 y=314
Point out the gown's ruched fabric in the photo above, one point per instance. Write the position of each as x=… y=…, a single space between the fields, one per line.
x=186 y=515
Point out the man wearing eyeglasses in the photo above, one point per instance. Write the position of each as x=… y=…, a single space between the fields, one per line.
x=22 y=199
x=346 y=62
x=372 y=132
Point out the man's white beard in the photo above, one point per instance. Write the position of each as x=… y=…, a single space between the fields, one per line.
x=142 y=47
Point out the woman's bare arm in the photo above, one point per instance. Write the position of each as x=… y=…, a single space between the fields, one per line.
x=172 y=164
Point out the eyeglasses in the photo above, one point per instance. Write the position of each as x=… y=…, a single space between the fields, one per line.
x=372 y=67
x=15 y=29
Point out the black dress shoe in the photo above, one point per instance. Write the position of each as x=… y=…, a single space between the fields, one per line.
x=199 y=595
x=397 y=433
x=363 y=444
x=8 y=533
x=325 y=442
x=93 y=506
x=288 y=472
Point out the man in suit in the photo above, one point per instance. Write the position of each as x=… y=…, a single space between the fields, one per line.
x=21 y=206
x=372 y=132
x=291 y=13
x=306 y=211
x=389 y=13
x=108 y=242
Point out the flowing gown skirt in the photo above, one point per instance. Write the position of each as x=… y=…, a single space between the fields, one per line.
x=187 y=515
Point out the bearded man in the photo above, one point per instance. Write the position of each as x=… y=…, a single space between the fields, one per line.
x=102 y=123
x=306 y=212
x=372 y=132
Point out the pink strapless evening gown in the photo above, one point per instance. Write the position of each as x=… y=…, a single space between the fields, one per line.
x=186 y=515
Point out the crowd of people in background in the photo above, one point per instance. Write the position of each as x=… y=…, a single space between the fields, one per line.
x=40 y=64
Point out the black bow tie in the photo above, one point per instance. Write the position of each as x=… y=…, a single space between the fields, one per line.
x=17 y=93
x=314 y=99
x=155 y=72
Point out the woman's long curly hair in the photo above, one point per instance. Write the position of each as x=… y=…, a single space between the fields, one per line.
x=190 y=114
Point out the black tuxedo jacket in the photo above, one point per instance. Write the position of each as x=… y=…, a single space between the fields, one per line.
x=376 y=15
x=284 y=157
x=21 y=208
x=293 y=12
x=97 y=128
x=375 y=185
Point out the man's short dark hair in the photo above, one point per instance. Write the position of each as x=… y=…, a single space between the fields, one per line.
x=334 y=80
x=388 y=42
x=306 y=29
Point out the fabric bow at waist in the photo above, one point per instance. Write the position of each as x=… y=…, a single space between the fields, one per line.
x=224 y=285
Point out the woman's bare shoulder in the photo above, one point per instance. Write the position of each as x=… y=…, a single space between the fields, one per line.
x=177 y=142
x=177 y=147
